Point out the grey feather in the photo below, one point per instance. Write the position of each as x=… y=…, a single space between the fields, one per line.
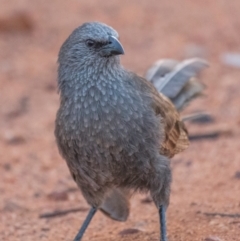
x=192 y=89
x=159 y=69
x=172 y=83
x=175 y=80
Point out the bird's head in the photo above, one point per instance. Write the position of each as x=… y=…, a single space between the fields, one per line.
x=89 y=43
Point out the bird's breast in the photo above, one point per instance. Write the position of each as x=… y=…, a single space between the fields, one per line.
x=106 y=119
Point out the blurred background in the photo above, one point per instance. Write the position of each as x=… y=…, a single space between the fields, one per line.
x=38 y=198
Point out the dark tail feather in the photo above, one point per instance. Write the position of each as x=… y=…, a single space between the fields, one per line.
x=116 y=204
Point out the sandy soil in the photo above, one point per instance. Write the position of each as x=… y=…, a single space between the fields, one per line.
x=33 y=177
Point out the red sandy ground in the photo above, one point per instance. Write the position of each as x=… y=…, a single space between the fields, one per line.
x=33 y=177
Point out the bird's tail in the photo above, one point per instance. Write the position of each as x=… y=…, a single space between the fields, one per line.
x=116 y=204
x=177 y=80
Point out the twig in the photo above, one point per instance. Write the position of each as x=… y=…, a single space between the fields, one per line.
x=229 y=215
x=221 y=131
x=210 y=135
x=61 y=212
x=198 y=117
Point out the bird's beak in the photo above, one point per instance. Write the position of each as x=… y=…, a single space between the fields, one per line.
x=113 y=47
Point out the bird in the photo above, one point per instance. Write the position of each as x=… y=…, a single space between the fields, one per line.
x=116 y=131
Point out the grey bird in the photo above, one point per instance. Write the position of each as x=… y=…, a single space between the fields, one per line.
x=113 y=128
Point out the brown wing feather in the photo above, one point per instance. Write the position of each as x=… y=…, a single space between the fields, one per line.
x=176 y=135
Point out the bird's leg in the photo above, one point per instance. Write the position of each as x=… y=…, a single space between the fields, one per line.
x=85 y=224
x=160 y=191
x=163 y=226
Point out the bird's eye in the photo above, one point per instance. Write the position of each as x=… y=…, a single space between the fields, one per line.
x=90 y=43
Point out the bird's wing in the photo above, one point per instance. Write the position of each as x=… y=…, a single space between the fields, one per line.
x=176 y=136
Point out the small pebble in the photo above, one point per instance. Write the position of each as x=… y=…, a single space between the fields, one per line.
x=212 y=238
x=129 y=231
x=237 y=175
x=58 y=196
